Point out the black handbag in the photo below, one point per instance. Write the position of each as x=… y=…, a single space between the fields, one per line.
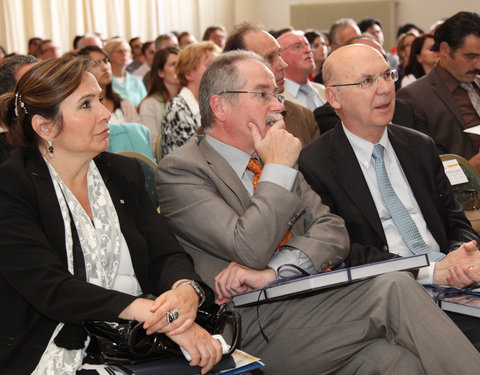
x=126 y=342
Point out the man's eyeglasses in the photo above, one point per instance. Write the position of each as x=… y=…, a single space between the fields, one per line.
x=298 y=46
x=389 y=76
x=264 y=97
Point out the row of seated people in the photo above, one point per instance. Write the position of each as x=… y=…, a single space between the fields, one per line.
x=344 y=217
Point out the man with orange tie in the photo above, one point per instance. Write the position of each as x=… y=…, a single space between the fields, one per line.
x=239 y=206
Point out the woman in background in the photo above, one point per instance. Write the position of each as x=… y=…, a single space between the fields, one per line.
x=319 y=46
x=126 y=85
x=182 y=115
x=122 y=110
x=79 y=237
x=422 y=59
x=164 y=86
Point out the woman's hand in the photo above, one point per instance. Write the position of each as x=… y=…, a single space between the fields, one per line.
x=183 y=299
x=204 y=350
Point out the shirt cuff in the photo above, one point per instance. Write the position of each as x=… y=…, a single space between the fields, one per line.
x=279 y=174
x=291 y=255
x=425 y=274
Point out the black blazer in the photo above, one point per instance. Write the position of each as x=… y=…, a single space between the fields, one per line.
x=330 y=166
x=36 y=289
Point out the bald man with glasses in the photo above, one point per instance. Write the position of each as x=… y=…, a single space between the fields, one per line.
x=387 y=181
x=240 y=208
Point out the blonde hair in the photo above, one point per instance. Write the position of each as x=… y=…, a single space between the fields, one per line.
x=189 y=59
x=111 y=45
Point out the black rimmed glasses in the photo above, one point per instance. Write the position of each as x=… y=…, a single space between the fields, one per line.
x=263 y=96
x=388 y=76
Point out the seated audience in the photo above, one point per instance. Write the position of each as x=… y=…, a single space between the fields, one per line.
x=137 y=56
x=185 y=39
x=415 y=213
x=240 y=221
x=341 y=31
x=164 y=86
x=300 y=64
x=148 y=51
x=374 y=28
x=181 y=119
x=10 y=72
x=298 y=119
x=55 y=187
x=33 y=44
x=446 y=100
x=126 y=85
x=47 y=49
x=216 y=34
x=164 y=40
x=320 y=49
x=422 y=59
x=404 y=45
x=122 y=110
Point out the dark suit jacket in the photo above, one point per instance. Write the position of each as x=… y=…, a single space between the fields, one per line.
x=331 y=167
x=36 y=288
x=300 y=122
x=437 y=113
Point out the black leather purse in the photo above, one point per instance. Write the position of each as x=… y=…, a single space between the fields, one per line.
x=126 y=342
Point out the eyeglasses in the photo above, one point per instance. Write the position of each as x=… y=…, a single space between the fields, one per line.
x=389 y=76
x=298 y=46
x=264 y=97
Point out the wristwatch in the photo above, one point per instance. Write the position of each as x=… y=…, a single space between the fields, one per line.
x=196 y=287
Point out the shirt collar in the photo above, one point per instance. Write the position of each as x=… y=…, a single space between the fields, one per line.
x=363 y=149
x=192 y=103
x=237 y=159
x=447 y=78
x=292 y=87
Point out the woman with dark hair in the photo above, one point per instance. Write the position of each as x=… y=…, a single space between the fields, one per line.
x=79 y=237
x=164 y=86
x=421 y=60
x=319 y=46
x=122 y=110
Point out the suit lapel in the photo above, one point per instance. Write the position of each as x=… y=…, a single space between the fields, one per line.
x=346 y=169
x=226 y=174
x=49 y=209
x=445 y=96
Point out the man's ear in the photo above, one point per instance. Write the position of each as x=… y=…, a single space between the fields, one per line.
x=444 y=49
x=43 y=127
x=218 y=106
x=331 y=94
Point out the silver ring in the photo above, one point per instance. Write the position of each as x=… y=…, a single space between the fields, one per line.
x=171 y=316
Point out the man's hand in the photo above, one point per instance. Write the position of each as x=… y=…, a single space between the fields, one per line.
x=202 y=347
x=278 y=145
x=236 y=279
x=460 y=268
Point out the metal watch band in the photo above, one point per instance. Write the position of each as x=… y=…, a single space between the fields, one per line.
x=196 y=287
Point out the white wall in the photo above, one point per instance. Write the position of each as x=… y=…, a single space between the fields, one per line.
x=275 y=14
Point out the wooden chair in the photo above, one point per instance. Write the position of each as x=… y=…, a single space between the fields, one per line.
x=158 y=148
x=467 y=194
x=149 y=167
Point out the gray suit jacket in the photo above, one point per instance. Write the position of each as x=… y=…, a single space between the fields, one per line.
x=217 y=222
x=438 y=115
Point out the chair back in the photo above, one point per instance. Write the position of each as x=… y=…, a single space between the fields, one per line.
x=149 y=167
x=467 y=194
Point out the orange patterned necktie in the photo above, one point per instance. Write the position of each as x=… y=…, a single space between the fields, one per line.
x=256 y=168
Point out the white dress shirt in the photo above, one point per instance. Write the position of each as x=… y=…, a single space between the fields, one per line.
x=311 y=100
x=363 y=151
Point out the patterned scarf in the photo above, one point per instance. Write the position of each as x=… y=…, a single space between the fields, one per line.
x=100 y=242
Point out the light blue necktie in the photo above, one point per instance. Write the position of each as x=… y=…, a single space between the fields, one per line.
x=308 y=94
x=402 y=219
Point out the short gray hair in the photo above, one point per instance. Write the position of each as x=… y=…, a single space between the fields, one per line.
x=339 y=25
x=222 y=75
